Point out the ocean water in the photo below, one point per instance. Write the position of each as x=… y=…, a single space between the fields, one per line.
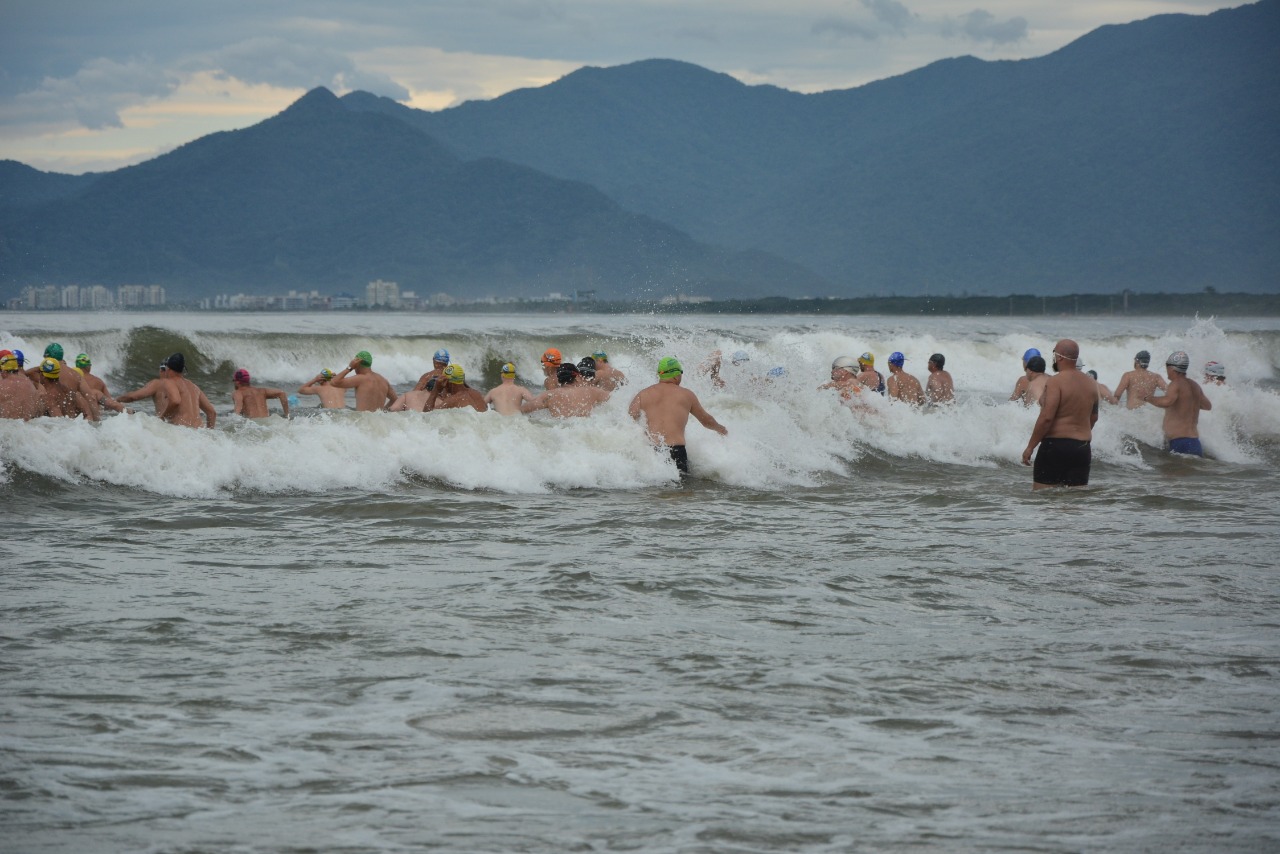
x=849 y=631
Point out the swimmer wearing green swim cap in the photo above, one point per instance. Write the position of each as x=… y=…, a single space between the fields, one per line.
x=373 y=392
x=666 y=408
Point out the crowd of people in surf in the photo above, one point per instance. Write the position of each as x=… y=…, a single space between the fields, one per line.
x=1068 y=400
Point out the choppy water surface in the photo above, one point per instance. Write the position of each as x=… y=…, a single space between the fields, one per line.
x=849 y=633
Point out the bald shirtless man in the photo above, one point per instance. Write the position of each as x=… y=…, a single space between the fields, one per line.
x=666 y=408
x=452 y=392
x=509 y=397
x=1139 y=384
x=251 y=401
x=571 y=398
x=373 y=392
x=1064 y=430
x=1182 y=403
x=19 y=397
x=901 y=385
x=321 y=386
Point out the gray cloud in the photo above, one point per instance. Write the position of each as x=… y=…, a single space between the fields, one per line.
x=891 y=13
x=982 y=26
x=93 y=97
x=277 y=62
x=843 y=27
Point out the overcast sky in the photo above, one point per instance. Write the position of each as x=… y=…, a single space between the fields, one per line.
x=92 y=85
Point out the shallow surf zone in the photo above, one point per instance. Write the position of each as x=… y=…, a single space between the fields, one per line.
x=780 y=437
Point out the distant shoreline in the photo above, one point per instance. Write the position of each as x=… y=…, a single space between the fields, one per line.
x=1017 y=305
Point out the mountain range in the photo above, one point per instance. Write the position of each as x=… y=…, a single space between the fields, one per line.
x=1143 y=156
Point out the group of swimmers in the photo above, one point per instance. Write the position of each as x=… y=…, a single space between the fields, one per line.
x=1068 y=400
x=571 y=389
x=1069 y=403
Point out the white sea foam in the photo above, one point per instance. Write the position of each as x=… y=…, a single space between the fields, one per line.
x=783 y=433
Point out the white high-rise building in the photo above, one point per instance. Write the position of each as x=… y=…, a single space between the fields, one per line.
x=382 y=293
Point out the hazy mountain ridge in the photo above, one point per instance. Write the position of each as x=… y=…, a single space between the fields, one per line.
x=1138 y=156
x=321 y=196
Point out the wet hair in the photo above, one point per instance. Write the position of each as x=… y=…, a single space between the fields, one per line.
x=566 y=373
x=939 y=360
x=1036 y=364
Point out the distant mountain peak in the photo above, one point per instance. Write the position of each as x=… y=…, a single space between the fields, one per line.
x=318 y=100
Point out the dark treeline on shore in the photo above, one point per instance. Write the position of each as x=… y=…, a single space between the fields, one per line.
x=1207 y=303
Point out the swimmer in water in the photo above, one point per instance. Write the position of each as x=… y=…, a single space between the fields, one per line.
x=509 y=397
x=608 y=377
x=940 y=388
x=1064 y=429
x=1215 y=373
x=901 y=385
x=1020 y=387
x=1036 y=382
x=551 y=360
x=844 y=378
x=868 y=375
x=331 y=397
x=452 y=392
x=99 y=388
x=571 y=398
x=251 y=401
x=439 y=361
x=1182 y=402
x=19 y=397
x=1138 y=385
x=666 y=408
x=373 y=392
x=71 y=380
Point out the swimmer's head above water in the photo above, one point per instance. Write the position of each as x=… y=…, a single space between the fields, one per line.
x=1179 y=361
x=669 y=368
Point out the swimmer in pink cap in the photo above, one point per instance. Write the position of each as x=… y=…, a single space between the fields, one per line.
x=251 y=401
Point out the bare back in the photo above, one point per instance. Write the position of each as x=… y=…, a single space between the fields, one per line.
x=1138 y=385
x=575 y=400
x=191 y=405
x=330 y=396
x=903 y=386
x=19 y=397
x=1070 y=405
x=506 y=399
x=666 y=408
x=609 y=377
x=940 y=388
x=1182 y=403
x=251 y=401
x=372 y=390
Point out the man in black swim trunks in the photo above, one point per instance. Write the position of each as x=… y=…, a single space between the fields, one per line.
x=1068 y=411
x=666 y=408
